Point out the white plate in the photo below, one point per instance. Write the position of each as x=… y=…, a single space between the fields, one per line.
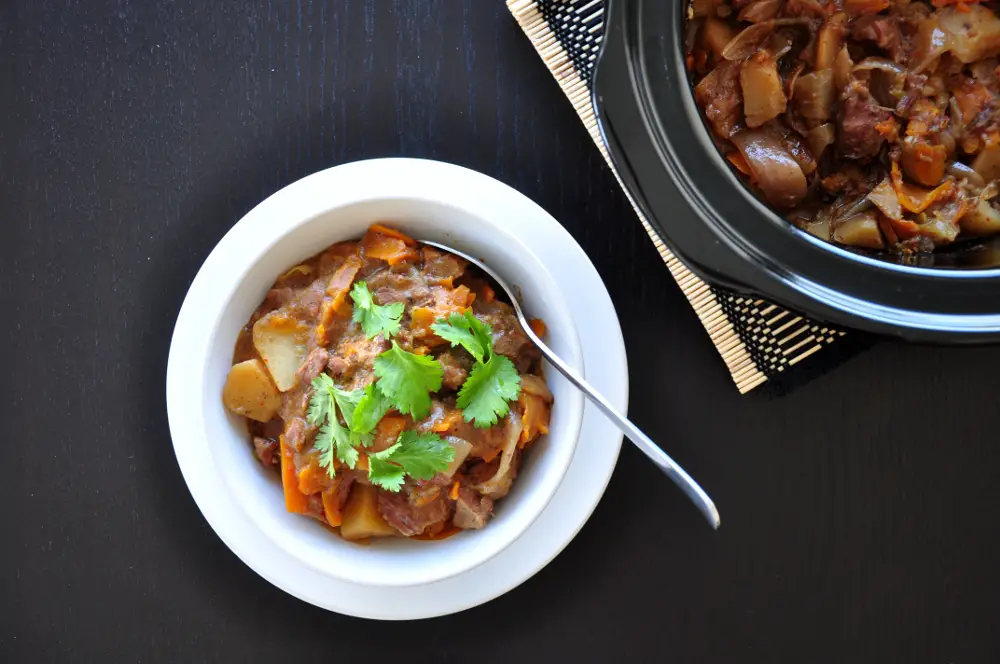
x=580 y=287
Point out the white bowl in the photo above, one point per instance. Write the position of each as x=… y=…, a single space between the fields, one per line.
x=427 y=200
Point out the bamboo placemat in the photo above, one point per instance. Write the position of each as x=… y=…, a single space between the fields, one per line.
x=758 y=341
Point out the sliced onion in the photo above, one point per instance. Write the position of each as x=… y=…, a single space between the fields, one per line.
x=760 y=10
x=956 y=116
x=853 y=208
x=748 y=41
x=820 y=138
x=843 y=69
x=778 y=44
x=499 y=484
x=885 y=199
x=777 y=173
x=880 y=63
x=960 y=171
x=534 y=385
x=887 y=88
x=462 y=448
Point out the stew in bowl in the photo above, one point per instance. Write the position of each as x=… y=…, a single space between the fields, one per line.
x=389 y=388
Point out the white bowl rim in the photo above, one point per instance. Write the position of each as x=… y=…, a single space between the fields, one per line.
x=294 y=204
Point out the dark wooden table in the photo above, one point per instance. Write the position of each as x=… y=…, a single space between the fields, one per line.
x=859 y=512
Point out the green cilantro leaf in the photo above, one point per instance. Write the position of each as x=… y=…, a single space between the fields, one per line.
x=384 y=474
x=346 y=444
x=375 y=318
x=422 y=454
x=326 y=445
x=408 y=379
x=334 y=439
x=371 y=408
x=321 y=401
x=484 y=396
x=467 y=331
x=348 y=401
x=419 y=455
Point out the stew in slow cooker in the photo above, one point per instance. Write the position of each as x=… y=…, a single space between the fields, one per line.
x=869 y=123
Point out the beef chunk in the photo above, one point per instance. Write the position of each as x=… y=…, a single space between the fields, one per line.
x=884 y=31
x=456 y=369
x=859 y=137
x=721 y=96
x=267 y=451
x=408 y=518
x=313 y=366
x=295 y=433
x=336 y=365
x=472 y=510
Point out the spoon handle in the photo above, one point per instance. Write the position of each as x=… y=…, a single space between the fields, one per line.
x=638 y=438
x=641 y=440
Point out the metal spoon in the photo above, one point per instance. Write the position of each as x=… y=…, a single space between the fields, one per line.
x=638 y=438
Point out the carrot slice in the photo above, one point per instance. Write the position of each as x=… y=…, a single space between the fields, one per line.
x=537 y=326
x=392 y=232
x=313 y=479
x=331 y=505
x=387 y=431
x=535 y=418
x=444 y=533
x=340 y=282
x=447 y=422
x=917 y=199
x=453 y=493
x=295 y=501
x=388 y=247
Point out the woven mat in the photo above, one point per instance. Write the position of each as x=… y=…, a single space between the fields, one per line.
x=759 y=341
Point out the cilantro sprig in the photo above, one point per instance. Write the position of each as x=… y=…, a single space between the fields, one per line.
x=335 y=440
x=421 y=455
x=374 y=318
x=407 y=379
x=467 y=331
x=371 y=408
x=493 y=381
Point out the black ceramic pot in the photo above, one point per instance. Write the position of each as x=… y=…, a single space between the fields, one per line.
x=701 y=210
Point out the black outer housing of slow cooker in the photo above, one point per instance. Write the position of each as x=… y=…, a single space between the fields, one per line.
x=663 y=152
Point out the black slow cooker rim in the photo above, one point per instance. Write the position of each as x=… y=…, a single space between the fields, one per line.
x=762 y=253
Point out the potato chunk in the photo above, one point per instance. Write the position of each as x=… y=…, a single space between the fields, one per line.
x=281 y=342
x=360 y=518
x=250 y=392
x=763 y=92
x=981 y=219
x=861 y=230
x=987 y=163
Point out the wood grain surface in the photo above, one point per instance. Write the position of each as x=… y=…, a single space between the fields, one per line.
x=859 y=511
